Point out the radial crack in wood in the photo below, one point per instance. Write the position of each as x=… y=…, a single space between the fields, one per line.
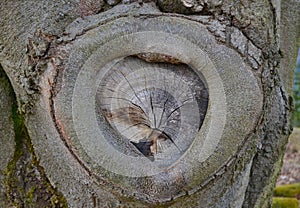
x=158 y=107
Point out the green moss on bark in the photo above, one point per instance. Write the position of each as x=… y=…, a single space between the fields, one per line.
x=25 y=180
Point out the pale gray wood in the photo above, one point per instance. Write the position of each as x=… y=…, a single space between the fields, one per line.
x=151 y=103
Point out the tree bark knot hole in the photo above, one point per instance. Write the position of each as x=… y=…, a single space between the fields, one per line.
x=151 y=105
x=154 y=103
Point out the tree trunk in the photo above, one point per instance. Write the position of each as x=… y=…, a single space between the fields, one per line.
x=145 y=103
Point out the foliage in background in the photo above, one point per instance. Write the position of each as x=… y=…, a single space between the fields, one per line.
x=296 y=114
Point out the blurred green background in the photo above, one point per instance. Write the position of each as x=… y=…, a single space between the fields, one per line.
x=296 y=114
x=287 y=191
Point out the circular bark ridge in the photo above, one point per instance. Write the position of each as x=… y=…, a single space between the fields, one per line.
x=171 y=125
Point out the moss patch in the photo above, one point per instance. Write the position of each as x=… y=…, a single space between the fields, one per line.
x=285 y=203
x=291 y=190
x=26 y=182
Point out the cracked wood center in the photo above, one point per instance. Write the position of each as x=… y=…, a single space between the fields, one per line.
x=157 y=107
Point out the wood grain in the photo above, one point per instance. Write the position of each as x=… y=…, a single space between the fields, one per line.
x=154 y=105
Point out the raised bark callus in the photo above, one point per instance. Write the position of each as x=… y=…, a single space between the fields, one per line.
x=179 y=103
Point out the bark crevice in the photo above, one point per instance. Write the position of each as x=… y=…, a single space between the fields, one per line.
x=25 y=180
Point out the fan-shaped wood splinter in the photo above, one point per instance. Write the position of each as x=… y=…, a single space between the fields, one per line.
x=134 y=116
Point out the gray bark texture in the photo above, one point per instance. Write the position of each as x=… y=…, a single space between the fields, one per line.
x=139 y=103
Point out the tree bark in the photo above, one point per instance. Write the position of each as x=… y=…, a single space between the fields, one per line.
x=204 y=87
